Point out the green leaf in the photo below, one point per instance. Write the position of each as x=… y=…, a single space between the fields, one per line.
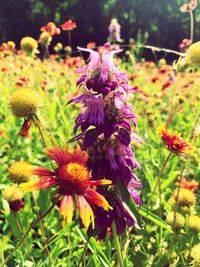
x=169 y=180
x=59 y=235
x=94 y=247
x=154 y=218
x=128 y=203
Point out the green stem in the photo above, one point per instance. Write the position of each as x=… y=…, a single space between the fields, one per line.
x=42 y=230
x=37 y=123
x=84 y=250
x=21 y=232
x=40 y=218
x=158 y=180
x=175 y=211
x=69 y=38
x=191 y=26
x=117 y=245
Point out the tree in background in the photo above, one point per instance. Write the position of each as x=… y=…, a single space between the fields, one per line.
x=166 y=25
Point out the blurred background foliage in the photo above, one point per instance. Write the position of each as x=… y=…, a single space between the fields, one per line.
x=162 y=19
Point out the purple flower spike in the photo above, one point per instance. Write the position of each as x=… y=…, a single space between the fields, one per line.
x=103 y=128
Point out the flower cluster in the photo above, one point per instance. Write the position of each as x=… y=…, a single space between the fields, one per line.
x=105 y=133
x=114 y=31
x=51 y=28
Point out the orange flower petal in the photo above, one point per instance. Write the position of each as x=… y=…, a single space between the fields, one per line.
x=61 y=156
x=80 y=156
x=97 y=199
x=67 y=209
x=85 y=212
x=100 y=182
x=42 y=171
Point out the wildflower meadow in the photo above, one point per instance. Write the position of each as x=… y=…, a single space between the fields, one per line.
x=100 y=148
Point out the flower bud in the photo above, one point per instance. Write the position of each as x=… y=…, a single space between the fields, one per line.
x=28 y=44
x=20 y=171
x=176 y=222
x=185 y=197
x=194 y=223
x=14 y=196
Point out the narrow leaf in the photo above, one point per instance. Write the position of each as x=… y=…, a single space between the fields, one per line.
x=154 y=218
x=128 y=203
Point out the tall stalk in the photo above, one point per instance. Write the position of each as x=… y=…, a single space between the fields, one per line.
x=158 y=180
x=117 y=245
x=37 y=123
x=191 y=25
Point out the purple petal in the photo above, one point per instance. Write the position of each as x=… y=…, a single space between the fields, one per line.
x=90 y=137
x=124 y=136
x=78 y=99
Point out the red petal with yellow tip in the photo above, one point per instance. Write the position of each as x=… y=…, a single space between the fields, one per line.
x=42 y=171
x=44 y=182
x=85 y=212
x=80 y=156
x=97 y=199
x=100 y=182
x=61 y=156
x=67 y=209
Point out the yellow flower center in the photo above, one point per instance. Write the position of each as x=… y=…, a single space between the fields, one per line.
x=73 y=178
x=76 y=171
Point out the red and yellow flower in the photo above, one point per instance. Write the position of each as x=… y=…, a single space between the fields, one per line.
x=68 y=25
x=191 y=185
x=190 y=6
x=175 y=143
x=74 y=184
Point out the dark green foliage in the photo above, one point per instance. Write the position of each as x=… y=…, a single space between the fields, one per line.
x=161 y=18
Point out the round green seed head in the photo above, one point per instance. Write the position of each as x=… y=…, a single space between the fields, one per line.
x=24 y=102
x=193 y=55
x=178 y=222
x=28 y=44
